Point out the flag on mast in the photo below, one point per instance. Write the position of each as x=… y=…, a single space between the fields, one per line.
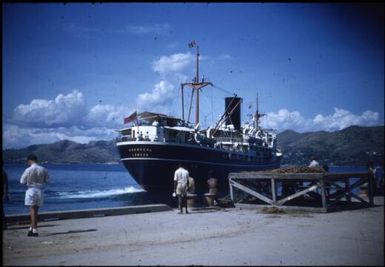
x=192 y=44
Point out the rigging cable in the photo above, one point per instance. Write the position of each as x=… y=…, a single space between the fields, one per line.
x=191 y=100
x=223 y=90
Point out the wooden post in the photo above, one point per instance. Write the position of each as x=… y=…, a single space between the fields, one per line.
x=297 y=194
x=347 y=190
x=323 y=195
x=340 y=182
x=370 y=189
x=231 y=189
x=252 y=192
x=273 y=189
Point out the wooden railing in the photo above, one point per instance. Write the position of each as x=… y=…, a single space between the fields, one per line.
x=328 y=188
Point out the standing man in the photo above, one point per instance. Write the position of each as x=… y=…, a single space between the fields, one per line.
x=379 y=177
x=5 y=195
x=34 y=177
x=212 y=182
x=313 y=163
x=180 y=187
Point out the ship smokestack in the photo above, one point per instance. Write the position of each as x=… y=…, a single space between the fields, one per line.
x=235 y=117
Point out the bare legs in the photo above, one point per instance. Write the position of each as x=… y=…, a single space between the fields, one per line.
x=34 y=211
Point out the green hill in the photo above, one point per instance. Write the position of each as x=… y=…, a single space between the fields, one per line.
x=351 y=146
x=67 y=152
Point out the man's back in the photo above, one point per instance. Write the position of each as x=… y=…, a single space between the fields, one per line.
x=313 y=163
x=35 y=176
x=181 y=175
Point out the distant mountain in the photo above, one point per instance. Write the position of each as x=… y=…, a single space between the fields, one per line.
x=351 y=146
x=346 y=147
x=67 y=152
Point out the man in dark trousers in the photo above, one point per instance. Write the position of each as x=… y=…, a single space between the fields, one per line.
x=4 y=193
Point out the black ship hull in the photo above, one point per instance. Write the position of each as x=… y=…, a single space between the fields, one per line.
x=152 y=164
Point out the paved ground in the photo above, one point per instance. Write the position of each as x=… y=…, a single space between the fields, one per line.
x=207 y=237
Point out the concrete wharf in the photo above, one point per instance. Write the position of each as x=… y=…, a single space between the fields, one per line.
x=87 y=213
x=234 y=236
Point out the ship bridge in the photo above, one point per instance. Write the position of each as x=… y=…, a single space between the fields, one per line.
x=149 y=126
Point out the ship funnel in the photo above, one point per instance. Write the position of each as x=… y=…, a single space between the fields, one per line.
x=233 y=105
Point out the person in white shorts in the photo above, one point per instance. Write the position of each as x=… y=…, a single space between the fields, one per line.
x=34 y=177
x=181 y=184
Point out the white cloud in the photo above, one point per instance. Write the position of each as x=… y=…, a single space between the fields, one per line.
x=340 y=119
x=106 y=115
x=65 y=117
x=145 y=29
x=343 y=118
x=171 y=68
x=284 y=119
x=173 y=63
x=64 y=110
x=162 y=96
x=100 y=122
x=159 y=100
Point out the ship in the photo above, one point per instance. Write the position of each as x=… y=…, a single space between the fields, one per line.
x=153 y=145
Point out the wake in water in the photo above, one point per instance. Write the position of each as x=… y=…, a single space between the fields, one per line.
x=99 y=193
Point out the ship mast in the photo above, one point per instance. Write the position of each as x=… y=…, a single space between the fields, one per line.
x=258 y=115
x=196 y=85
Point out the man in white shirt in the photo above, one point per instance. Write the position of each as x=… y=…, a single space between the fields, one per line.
x=180 y=187
x=34 y=177
x=313 y=163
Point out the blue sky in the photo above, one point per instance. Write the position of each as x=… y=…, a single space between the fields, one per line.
x=74 y=71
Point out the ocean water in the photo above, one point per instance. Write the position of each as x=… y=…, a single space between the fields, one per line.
x=88 y=186
x=77 y=186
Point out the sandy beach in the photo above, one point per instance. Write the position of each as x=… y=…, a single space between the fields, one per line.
x=231 y=236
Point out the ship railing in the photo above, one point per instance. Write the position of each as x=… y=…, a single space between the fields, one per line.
x=179 y=140
x=125 y=138
x=228 y=139
x=167 y=140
